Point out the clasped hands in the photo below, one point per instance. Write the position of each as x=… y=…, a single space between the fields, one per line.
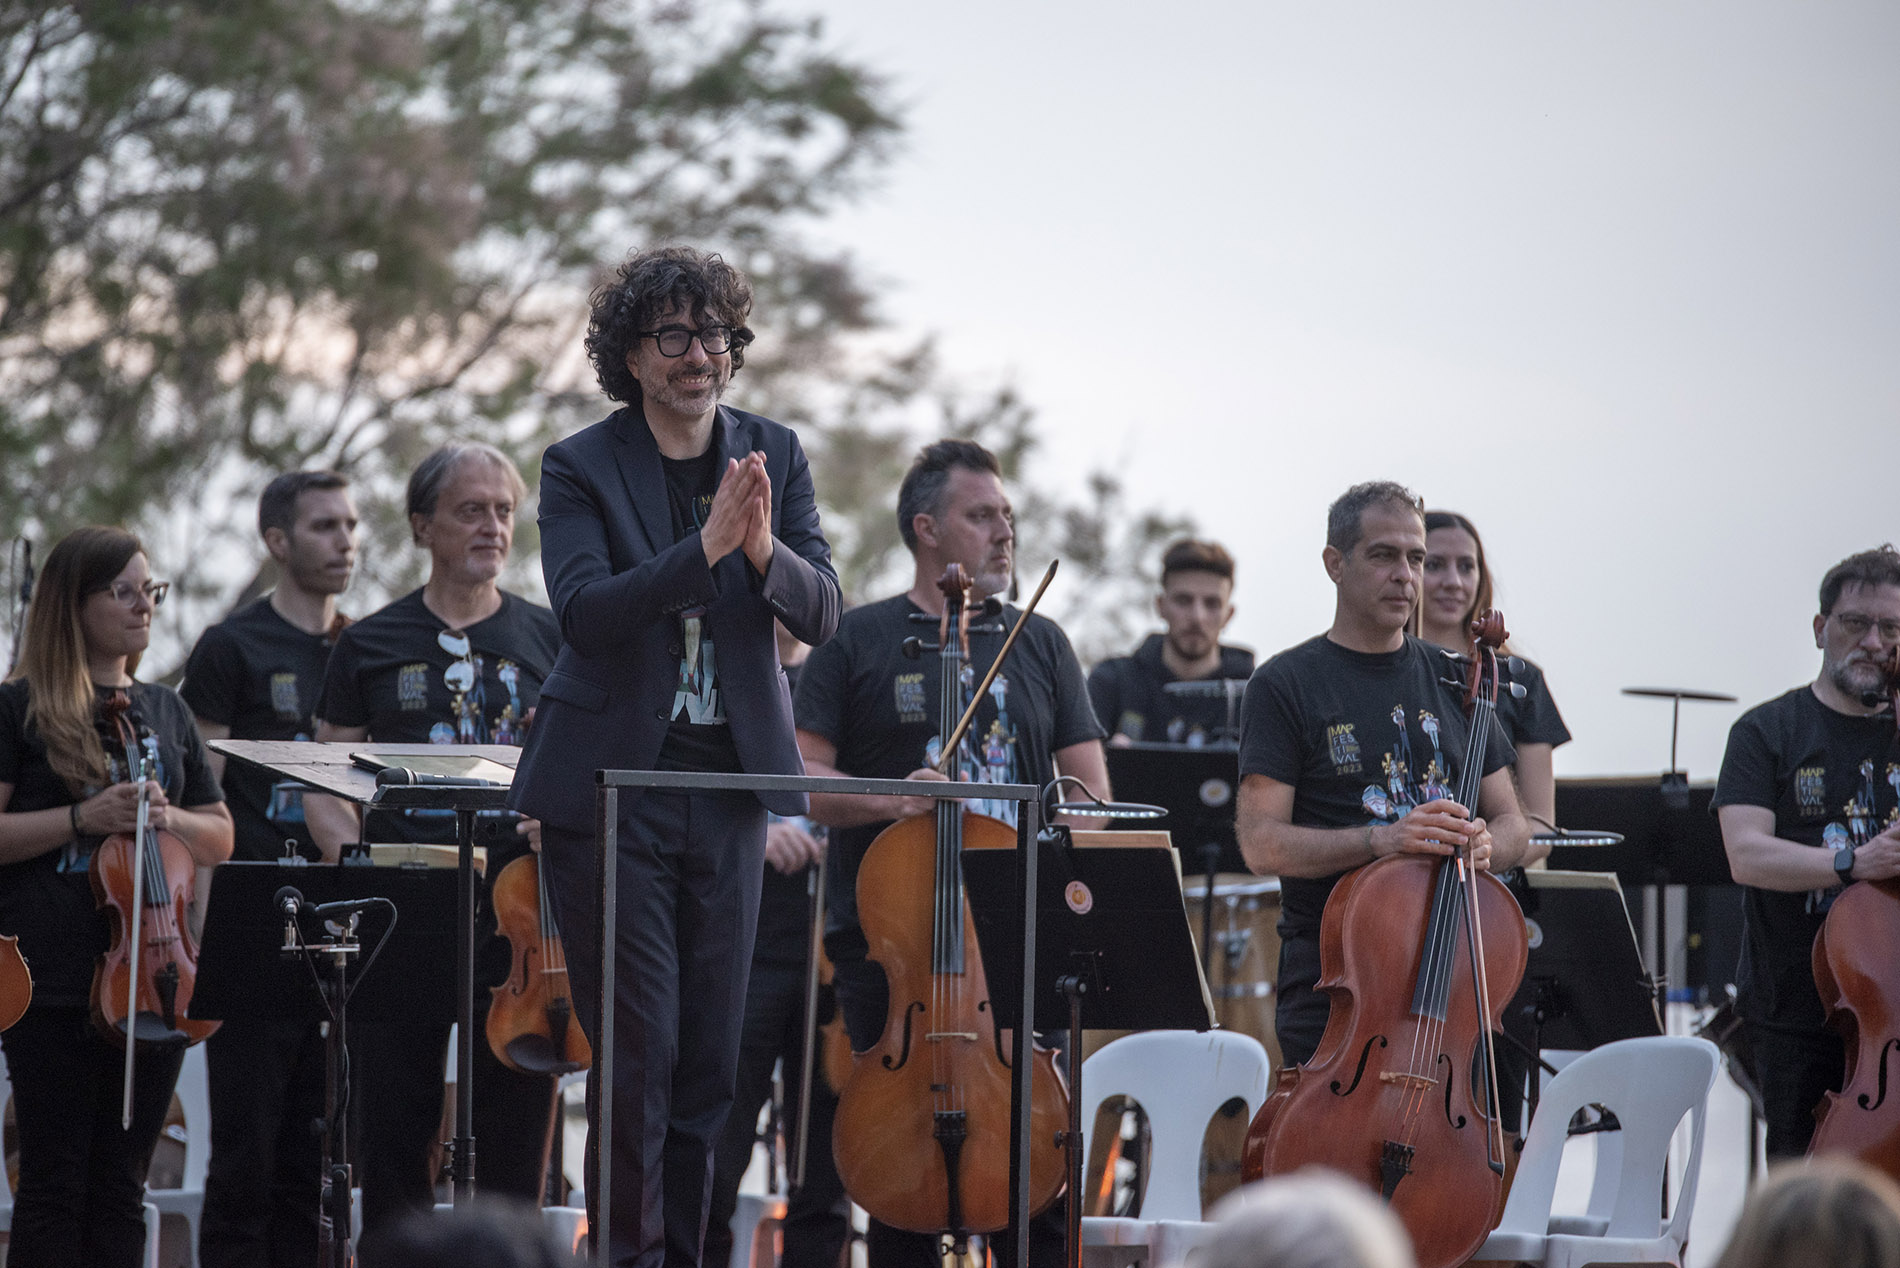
x=741 y=515
x=1441 y=826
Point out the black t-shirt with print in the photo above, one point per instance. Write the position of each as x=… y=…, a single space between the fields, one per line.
x=388 y=672
x=258 y=674
x=1131 y=697
x=1831 y=779
x=1361 y=737
x=879 y=708
x=1534 y=719
x=697 y=738
x=46 y=901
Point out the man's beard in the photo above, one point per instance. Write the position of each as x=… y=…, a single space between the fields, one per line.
x=1856 y=678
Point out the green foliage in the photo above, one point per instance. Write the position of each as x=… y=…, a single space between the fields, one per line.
x=243 y=236
x=239 y=236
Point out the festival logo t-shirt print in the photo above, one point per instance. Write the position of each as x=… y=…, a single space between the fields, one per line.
x=696 y=699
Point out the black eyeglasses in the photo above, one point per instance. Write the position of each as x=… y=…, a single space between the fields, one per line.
x=674 y=340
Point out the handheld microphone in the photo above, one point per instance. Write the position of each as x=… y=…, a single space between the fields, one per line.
x=401 y=776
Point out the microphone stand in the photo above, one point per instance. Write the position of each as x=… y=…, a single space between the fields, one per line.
x=334 y=1222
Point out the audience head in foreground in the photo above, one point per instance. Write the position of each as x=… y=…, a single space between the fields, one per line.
x=1832 y=1211
x=1313 y=1218
x=492 y=1233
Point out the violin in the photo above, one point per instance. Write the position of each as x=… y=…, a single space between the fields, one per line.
x=531 y=1023
x=922 y=1132
x=1420 y=954
x=16 y=981
x=1854 y=957
x=142 y=985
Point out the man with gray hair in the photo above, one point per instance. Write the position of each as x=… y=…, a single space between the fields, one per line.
x=1350 y=744
x=457 y=661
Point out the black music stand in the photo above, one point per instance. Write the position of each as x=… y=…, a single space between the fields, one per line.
x=338 y=769
x=1196 y=786
x=254 y=962
x=1584 y=985
x=1114 y=950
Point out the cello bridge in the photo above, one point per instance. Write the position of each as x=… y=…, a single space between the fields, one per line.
x=1412 y=1080
x=932 y=1036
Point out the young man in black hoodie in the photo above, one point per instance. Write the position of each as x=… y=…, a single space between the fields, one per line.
x=1130 y=693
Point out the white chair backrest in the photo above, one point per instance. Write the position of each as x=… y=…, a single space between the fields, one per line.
x=1180 y=1079
x=194 y=1096
x=1649 y=1084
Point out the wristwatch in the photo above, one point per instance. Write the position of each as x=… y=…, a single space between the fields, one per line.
x=1844 y=864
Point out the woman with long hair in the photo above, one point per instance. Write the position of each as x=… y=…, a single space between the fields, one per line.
x=1458 y=587
x=65 y=786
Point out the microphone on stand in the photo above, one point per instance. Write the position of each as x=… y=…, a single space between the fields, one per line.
x=401 y=776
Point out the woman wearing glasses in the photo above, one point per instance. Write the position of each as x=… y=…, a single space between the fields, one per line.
x=459 y=661
x=65 y=786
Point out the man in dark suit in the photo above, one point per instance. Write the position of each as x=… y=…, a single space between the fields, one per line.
x=672 y=533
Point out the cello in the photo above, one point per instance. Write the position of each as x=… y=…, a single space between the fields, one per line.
x=142 y=986
x=531 y=1025
x=1854 y=957
x=1420 y=953
x=922 y=1132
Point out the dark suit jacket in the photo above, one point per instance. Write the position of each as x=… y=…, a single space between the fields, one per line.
x=618 y=580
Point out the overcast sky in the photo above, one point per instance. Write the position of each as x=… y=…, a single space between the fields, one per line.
x=1620 y=281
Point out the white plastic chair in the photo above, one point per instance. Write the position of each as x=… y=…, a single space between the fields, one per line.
x=188 y=1200
x=6 y=1186
x=1180 y=1079
x=1650 y=1085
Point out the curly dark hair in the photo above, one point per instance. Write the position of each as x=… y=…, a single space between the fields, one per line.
x=647 y=285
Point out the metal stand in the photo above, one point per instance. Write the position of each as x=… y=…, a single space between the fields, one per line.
x=334 y=1222
x=600 y=1106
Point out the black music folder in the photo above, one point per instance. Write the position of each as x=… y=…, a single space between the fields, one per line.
x=1121 y=905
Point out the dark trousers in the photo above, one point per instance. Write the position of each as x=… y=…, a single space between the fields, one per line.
x=687 y=888
x=397 y=1069
x=1299 y=1015
x=864 y=995
x=1794 y=1070
x=816 y=1214
x=261 y=1190
x=81 y=1195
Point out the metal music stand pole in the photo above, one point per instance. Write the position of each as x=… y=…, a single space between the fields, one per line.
x=333 y=1231
x=462 y=1147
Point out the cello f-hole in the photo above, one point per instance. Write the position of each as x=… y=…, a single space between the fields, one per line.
x=903 y=1054
x=1880 y=1089
x=1365 y=1055
x=1451 y=1074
